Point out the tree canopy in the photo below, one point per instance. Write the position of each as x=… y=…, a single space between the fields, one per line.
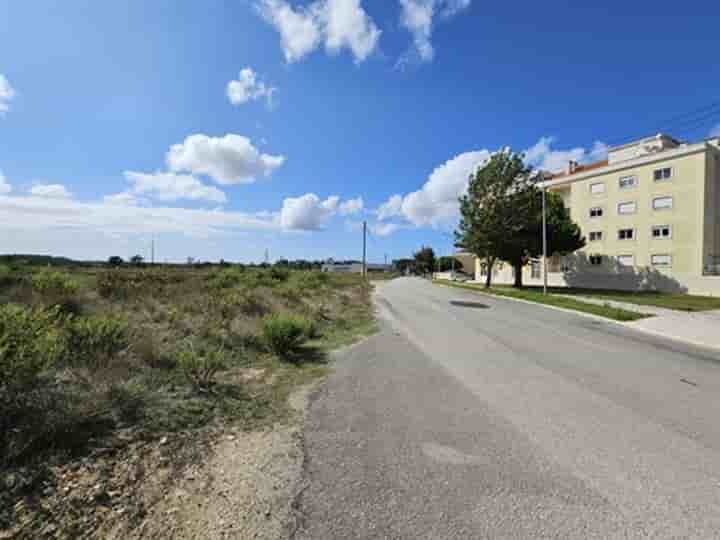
x=501 y=216
x=424 y=259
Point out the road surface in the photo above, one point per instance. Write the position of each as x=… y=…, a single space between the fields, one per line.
x=470 y=416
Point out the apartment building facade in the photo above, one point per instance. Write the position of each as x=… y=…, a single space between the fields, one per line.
x=650 y=215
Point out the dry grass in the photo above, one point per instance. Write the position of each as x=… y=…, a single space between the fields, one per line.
x=143 y=391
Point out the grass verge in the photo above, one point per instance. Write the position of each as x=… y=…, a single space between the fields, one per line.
x=536 y=296
x=677 y=302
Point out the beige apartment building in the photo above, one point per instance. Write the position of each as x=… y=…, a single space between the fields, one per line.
x=650 y=215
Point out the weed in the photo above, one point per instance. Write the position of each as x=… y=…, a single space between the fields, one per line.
x=95 y=341
x=200 y=368
x=285 y=334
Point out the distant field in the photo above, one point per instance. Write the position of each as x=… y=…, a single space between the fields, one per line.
x=89 y=355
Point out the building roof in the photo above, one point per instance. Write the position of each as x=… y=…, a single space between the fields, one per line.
x=578 y=169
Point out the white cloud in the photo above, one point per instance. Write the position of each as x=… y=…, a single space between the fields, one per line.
x=4 y=186
x=307 y=212
x=715 y=132
x=166 y=186
x=384 y=229
x=248 y=87
x=436 y=203
x=390 y=208
x=542 y=156
x=7 y=93
x=109 y=217
x=337 y=24
x=231 y=159
x=51 y=191
x=417 y=17
x=351 y=206
x=123 y=198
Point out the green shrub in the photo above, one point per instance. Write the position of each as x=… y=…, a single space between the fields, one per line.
x=7 y=276
x=279 y=274
x=200 y=368
x=312 y=279
x=94 y=341
x=30 y=341
x=285 y=334
x=226 y=278
x=55 y=289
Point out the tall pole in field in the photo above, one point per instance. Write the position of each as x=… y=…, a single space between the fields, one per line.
x=544 y=226
x=364 y=264
x=152 y=254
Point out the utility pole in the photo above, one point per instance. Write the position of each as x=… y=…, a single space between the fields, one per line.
x=152 y=251
x=364 y=262
x=544 y=226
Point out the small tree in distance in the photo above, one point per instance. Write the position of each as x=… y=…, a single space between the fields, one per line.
x=424 y=259
x=115 y=261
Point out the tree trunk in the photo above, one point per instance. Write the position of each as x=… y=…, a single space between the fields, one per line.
x=518 y=266
x=489 y=268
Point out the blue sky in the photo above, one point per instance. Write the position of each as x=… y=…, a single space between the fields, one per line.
x=120 y=121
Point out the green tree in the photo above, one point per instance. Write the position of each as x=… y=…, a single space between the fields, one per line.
x=136 y=260
x=492 y=212
x=501 y=217
x=424 y=259
x=115 y=261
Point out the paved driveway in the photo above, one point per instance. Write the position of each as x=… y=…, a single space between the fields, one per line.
x=477 y=417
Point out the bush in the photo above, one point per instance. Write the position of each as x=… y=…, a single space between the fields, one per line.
x=94 y=341
x=285 y=334
x=55 y=289
x=226 y=279
x=30 y=341
x=312 y=279
x=201 y=367
x=279 y=274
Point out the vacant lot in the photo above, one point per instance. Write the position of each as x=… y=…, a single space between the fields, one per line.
x=110 y=375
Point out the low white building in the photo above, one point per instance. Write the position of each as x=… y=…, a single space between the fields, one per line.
x=354 y=267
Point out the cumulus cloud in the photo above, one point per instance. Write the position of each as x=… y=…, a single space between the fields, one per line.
x=50 y=191
x=7 y=93
x=384 y=229
x=248 y=87
x=307 y=212
x=715 y=132
x=336 y=24
x=4 y=186
x=417 y=17
x=390 y=208
x=351 y=206
x=166 y=186
x=436 y=202
x=231 y=159
x=542 y=155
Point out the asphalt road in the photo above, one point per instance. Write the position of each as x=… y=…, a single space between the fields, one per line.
x=509 y=420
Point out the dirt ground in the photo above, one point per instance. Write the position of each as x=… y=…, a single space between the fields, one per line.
x=231 y=484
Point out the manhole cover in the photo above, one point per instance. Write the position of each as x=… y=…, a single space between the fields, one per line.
x=462 y=303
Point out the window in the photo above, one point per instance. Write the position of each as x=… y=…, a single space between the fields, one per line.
x=662 y=203
x=595 y=236
x=597 y=188
x=662 y=231
x=627 y=182
x=535 y=269
x=626 y=234
x=662 y=174
x=595 y=260
x=627 y=207
x=596 y=212
x=626 y=260
x=661 y=260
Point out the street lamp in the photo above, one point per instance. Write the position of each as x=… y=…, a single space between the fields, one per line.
x=544 y=233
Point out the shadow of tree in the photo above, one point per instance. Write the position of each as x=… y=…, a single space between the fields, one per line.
x=611 y=274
